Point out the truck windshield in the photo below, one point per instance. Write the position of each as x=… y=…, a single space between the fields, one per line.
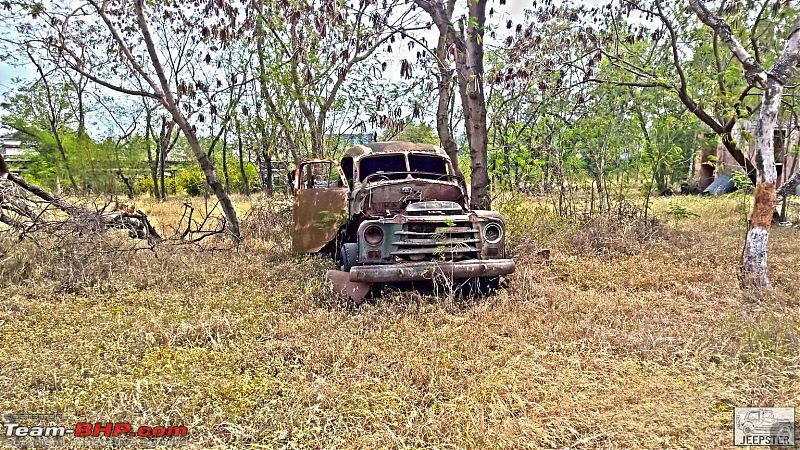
x=428 y=164
x=383 y=163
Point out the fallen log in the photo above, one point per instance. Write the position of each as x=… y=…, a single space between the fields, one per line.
x=27 y=207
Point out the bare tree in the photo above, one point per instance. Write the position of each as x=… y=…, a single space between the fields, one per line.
x=129 y=32
x=314 y=49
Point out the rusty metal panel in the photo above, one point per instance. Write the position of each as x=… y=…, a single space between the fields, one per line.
x=346 y=288
x=373 y=148
x=317 y=216
x=318 y=212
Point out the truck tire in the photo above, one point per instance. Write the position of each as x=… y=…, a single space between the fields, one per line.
x=480 y=286
x=489 y=285
x=348 y=256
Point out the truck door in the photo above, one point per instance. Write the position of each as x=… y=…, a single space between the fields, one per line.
x=320 y=204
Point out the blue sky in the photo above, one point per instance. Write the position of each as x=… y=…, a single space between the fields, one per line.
x=8 y=72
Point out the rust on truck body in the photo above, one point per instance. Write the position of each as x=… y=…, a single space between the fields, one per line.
x=319 y=210
x=395 y=211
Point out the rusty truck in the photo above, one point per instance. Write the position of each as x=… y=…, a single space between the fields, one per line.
x=393 y=212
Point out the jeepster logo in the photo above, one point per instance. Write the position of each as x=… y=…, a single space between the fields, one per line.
x=763 y=426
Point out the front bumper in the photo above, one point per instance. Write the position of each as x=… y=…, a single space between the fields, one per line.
x=427 y=270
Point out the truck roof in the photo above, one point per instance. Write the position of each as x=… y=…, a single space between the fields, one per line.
x=374 y=148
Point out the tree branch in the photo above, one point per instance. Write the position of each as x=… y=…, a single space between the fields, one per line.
x=752 y=67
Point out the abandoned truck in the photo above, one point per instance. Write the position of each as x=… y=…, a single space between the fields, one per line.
x=395 y=212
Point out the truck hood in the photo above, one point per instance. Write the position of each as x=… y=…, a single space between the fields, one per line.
x=396 y=196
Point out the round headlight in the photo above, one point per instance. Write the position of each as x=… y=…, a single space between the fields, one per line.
x=493 y=233
x=373 y=234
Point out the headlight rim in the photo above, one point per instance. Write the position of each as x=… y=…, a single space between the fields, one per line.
x=500 y=233
x=371 y=241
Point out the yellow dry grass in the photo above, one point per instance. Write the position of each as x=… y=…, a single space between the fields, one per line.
x=648 y=345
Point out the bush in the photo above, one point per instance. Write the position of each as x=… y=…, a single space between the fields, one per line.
x=269 y=221
x=192 y=181
x=622 y=231
x=530 y=225
x=143 y=186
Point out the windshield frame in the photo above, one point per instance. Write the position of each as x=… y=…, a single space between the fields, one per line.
x=407 y=172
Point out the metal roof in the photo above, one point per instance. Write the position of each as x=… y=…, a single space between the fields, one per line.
x=373 y=148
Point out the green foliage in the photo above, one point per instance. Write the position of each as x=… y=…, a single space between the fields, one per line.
x=143 y=186
x=191 y=181
x=679 y=212
x=742 y=181
x=420 y=133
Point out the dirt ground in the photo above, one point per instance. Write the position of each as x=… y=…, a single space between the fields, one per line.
x=631 y=338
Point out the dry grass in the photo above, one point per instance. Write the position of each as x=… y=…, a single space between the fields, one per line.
x=614 y=348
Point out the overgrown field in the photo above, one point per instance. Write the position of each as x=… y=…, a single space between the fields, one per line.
x=634 y=337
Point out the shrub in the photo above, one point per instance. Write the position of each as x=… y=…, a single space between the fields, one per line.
x=191 y=181
x=621 y=230
x=269 y=220
x=143 y=186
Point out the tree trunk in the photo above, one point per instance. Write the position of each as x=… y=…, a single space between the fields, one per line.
x=317 y=141
x=478 y=138
x=3 y=167
x=265 y=166
x=243 y=172
x=445 y=88
x=225 y=159
x=162 y=168
x=52 y=121
x=152 y=163
x=207 y=166
x=269 y=175
x=772 y=81
x=129 y=191
x=754 y=259
x=469 y=68
x=170 y=103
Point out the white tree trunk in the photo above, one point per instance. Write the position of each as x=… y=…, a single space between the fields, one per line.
x=754 y=258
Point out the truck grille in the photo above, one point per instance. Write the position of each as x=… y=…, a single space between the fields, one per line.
x=447 y=241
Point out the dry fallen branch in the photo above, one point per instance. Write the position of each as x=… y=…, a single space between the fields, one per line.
x=27 y=208
x=193 y=231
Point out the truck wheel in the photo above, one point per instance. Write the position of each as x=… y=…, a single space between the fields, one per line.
x=348 y=256
x=489 y=285
x=481 y=286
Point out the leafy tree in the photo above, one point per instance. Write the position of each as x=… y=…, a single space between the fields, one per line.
x=772 y=82
x=420 y=132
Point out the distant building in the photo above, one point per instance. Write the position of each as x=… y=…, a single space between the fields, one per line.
x=360 y=138
x=15 y=152
x=714 y=160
